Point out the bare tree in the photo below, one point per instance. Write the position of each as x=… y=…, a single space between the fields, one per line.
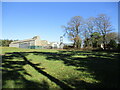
x=112 y=36
x=90 y=25
x=89 y=28
x=103 y=25
x=74 y=28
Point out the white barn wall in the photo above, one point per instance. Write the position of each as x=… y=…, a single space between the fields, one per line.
x=35 y=41
x=14 y=45
x=32 y=43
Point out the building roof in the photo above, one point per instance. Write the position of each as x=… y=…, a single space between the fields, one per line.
x=26 y=40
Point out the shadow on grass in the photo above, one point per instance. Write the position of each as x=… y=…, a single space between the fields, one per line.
x=16 y=75
x=58 y=82
x=13 y=74
x=105 y=67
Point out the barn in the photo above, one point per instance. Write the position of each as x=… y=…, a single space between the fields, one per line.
x=34 y=43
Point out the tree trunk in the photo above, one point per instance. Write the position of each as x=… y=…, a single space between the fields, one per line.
x=74 y=44
x=104 y=44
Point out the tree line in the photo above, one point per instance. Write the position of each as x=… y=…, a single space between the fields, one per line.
x=92 y=32
x=5 y=42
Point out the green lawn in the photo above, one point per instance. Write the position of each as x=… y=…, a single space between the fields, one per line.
x=76 y=69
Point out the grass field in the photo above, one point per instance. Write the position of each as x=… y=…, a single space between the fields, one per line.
x=75 y=69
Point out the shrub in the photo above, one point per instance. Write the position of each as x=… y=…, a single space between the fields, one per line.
x=68 y=47
x=112 y=44
x=118 y=47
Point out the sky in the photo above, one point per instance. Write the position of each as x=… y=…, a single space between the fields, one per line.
x=24 y=20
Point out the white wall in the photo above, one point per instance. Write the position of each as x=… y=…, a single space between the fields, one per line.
x=55 y=45
x=61 y=46
x=32 y=43
x=14 y=45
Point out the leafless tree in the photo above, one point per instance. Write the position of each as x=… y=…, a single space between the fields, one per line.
x=103 y=26
x=89 y=28
x=112 y=36
x=74 y=28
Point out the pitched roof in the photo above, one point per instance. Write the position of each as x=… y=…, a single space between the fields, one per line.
x=26 y=40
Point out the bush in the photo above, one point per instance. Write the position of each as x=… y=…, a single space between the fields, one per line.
x=87 y=48
x=113 y=44
x=118 y=47
x=68 y=47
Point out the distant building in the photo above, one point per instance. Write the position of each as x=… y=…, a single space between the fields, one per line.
x=34 y=43
x=27 y=43
x=61 y=45
x=54 y=44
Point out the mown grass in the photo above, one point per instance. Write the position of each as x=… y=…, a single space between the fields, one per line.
x=4 y=50
x=17 y=74
x=78 y=69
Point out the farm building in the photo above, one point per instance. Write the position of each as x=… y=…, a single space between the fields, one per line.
x=34 y=43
